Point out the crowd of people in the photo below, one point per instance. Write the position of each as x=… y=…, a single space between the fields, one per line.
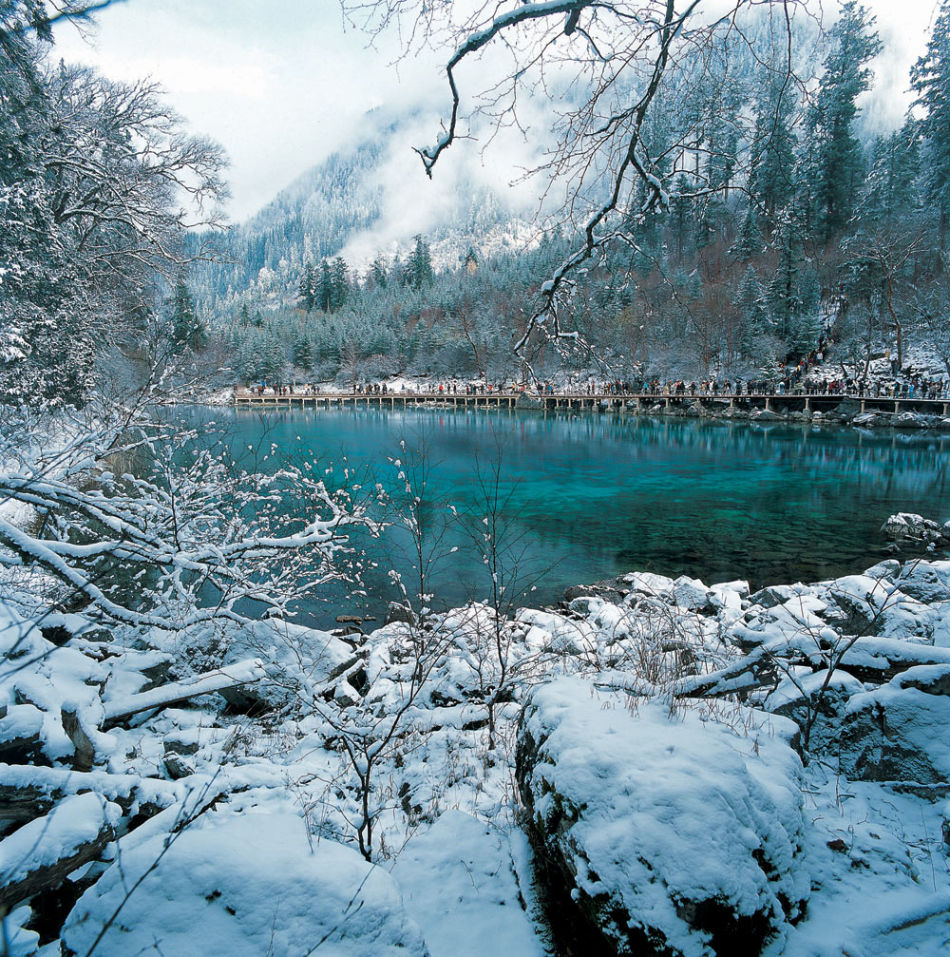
x=803 y=380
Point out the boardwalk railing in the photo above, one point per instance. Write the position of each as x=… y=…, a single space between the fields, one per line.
x=602 y=402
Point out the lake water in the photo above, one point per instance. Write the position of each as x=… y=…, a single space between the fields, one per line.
x=590 y=497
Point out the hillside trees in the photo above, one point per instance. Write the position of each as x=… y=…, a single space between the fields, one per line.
x=97 y=184
x=188 y=330
x=628 y=64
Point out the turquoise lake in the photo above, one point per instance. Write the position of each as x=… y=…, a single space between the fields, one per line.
x=590 y=497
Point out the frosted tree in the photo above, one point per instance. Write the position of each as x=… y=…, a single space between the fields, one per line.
x=97 y=185
x=198 y=532
x=188 y=330
x=620 y=60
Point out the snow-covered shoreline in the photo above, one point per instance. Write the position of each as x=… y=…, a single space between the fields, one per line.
x=851 y=675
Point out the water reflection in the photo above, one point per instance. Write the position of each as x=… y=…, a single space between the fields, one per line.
x=591 y=497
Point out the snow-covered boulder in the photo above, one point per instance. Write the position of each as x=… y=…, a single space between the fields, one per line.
x=243 y=884
x=910 y=420
x=693 y=595
x=297 y=661
x=910 y=527
x=773 y=595
x=925 y=581
x=657 y=832
x=816 y=702
x=898 y=732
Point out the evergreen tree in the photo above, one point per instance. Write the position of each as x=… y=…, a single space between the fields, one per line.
x=419 y=266
x=303 y=354
x=378 y=272
x=832 y=161
x=890 y=190
x=751 y=309
x=272 y=364
x=771 y=177
x=748 y=243
x=784 y=295
x=339 y=284
x=188 y=330
x=308 y=288
x=930 y=80
x=324 y=297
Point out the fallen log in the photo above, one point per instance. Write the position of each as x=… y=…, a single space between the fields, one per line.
x=40 y=855
x=221 y=679
x=28 y=792
x=21 y=733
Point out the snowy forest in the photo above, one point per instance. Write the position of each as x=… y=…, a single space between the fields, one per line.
x=786 y=219
x=646 y=764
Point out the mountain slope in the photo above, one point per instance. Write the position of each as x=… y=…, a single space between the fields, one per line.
x=359 y=202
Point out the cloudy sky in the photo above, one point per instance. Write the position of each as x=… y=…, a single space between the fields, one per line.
x=281 y=84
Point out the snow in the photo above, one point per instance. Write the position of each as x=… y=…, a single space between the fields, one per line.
x=224 y=677
x=699 y=787
x=74 y=822
x=459 y=883
x=911 y=720
x=244 y=883
x=663 y=807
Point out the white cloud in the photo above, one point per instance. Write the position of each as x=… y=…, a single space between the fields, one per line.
x=282 y=85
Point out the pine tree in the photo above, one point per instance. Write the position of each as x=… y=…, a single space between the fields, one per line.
x=308 y=288
x=339 y=284
x=303 y=353
x=188 y=330
x=419 y=265
x=784 y=290
x=890 y=189
x=324 y=298
x=378 y=271
x=833 y=161
x=273 y=358
x=748 y=243
x=771 y=178
x=753 y=320
x=930 y=80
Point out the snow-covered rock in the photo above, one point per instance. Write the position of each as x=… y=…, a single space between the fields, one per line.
x=877 y=607
x=816 y=702
x=910 y=527
x=243 y=884
x=898 y=732
x=910 y=420
x=925 y=581
x=660 y=832
x=692 y=594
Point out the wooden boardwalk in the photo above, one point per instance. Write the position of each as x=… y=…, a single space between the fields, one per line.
x=631 y=402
